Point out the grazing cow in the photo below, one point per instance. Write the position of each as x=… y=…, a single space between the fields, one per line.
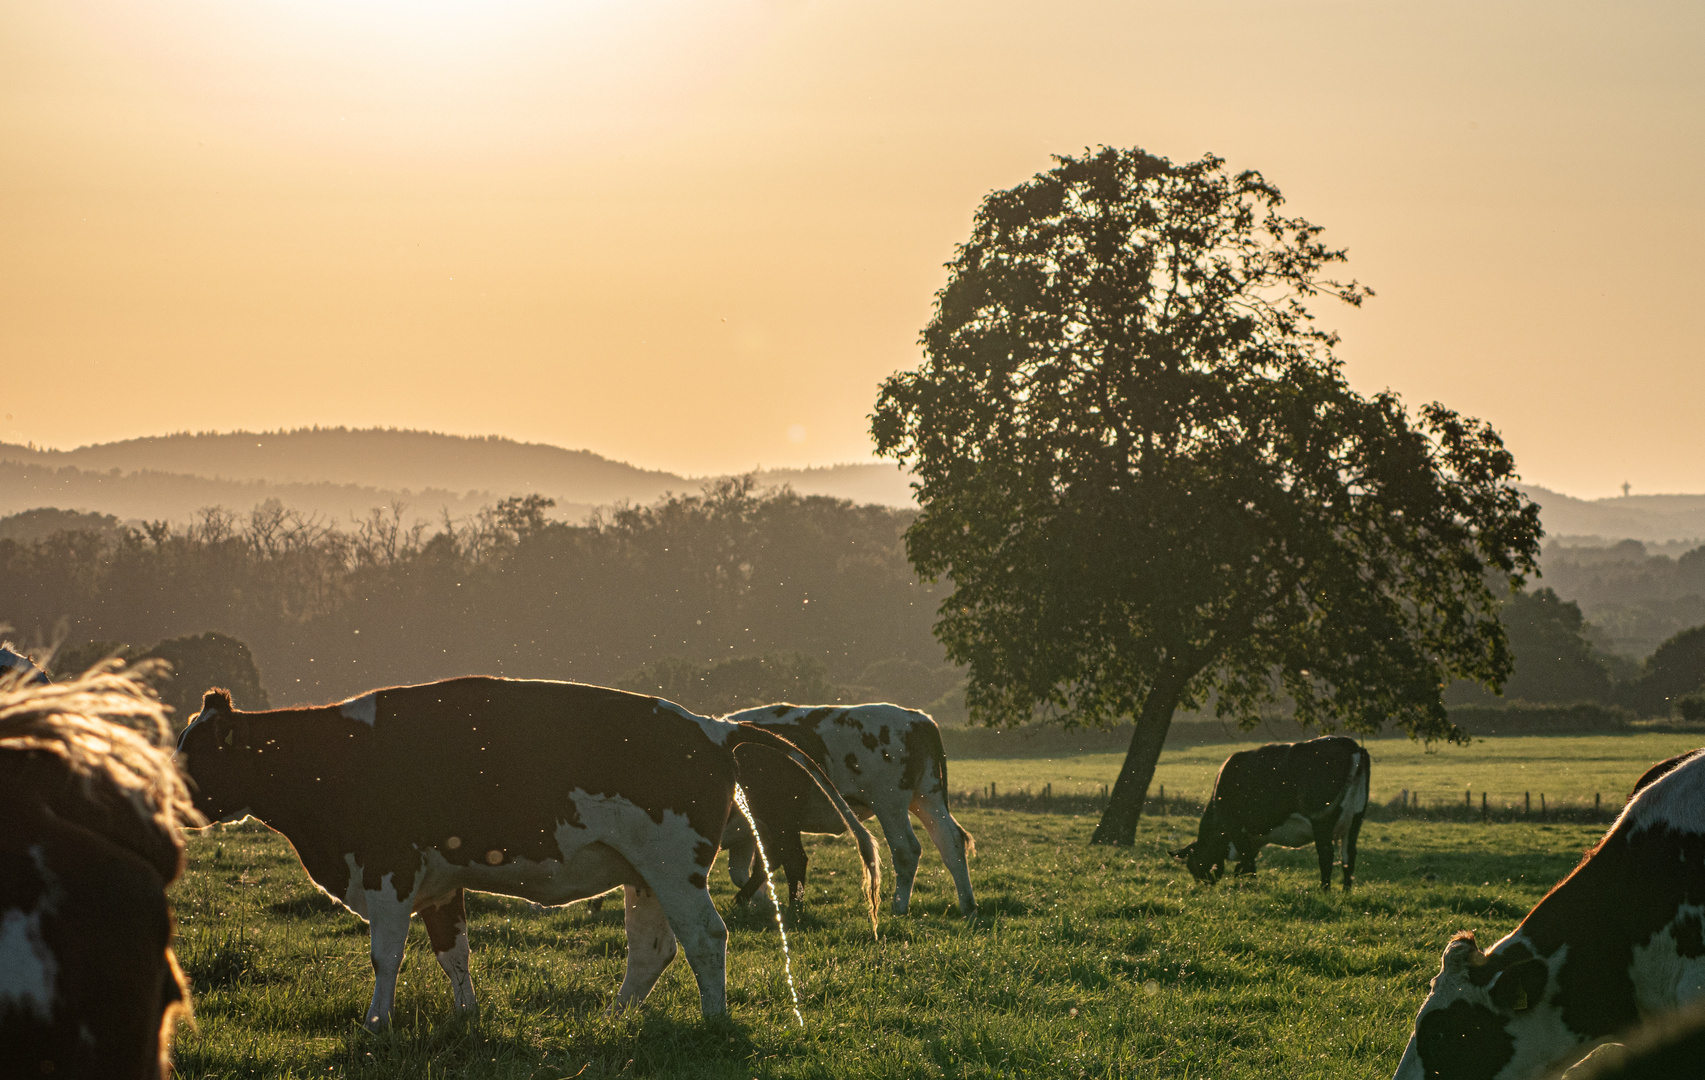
x=1618 y=941
x=784 y=804
x=398 y=800
x=887 y=761
x=21 y=668
x=1287 y=794
x=90 y=843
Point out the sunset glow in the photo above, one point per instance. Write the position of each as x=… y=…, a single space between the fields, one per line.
x=696 y=236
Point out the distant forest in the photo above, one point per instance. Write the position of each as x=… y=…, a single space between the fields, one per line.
x=720 y=600
x=814 y=593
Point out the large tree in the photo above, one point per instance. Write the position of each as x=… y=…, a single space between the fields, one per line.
x=1143 y=471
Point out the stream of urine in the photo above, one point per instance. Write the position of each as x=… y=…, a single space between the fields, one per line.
x=786 y=957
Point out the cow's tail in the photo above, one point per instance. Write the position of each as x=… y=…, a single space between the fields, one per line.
x=938 y=764
x=746 y=733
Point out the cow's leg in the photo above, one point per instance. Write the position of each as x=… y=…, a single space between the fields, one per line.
x=742 y=852
x=790 y=853
x=950 y=840
x=447 y=929
x=1350 y=848
x=1326 y=846
x=651 y=945
x=387 y=929
x=756 y=879
x=903 y=845
x=704 y=937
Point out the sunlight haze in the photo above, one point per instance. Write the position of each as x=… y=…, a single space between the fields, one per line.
x=695 y=237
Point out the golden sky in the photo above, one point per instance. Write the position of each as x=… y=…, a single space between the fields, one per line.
x=696 y=235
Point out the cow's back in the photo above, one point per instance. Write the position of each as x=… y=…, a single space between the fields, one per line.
x=479 y=747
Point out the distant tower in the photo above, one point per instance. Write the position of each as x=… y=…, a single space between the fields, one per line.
x=1625 y=486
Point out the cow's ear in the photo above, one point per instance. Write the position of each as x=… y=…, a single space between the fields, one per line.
x=1521 y=986
x=217 y=700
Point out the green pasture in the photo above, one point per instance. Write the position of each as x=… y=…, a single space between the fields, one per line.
x=1568 y=770
x=1087 y=962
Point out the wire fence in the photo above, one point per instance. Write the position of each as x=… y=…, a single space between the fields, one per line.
x=1470 y=805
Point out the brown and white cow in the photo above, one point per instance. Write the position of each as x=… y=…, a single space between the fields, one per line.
x=89 y=843
x=887 y=761
x=1289 y=794
x=1618 y=941
x=399 y=800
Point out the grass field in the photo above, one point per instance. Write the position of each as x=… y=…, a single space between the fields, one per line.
x=1087 y=962
x=1566 y=769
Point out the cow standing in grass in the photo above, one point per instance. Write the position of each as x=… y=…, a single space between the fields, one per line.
x=90 y=806
x=888 y=762
x=399 y=800
x=1289 y=794
x=1621 y=940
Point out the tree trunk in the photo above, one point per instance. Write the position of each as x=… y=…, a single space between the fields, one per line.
x=1130 y=791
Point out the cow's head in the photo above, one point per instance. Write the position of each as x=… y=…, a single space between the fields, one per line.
x=213 y=753
x=1206 y=857
x=1486 y=1017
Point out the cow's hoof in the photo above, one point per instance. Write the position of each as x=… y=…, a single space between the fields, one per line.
x=899 y=907
x=968 y=912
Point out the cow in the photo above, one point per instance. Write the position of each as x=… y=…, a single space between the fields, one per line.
x=888 y=761
x=784 y=803
x=1618 y=941
x=21 y=667
x=91 y=806
x=1289 y=794
x=399 y=800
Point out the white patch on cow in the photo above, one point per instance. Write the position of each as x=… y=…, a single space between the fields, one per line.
x=1663 y=978
x=1231 y=851
x=717 y=731
x=364 y=708
x=1675 y=799
x=454 y=961
x=1354 y=799
x=1294 y=831
x=354 y=896
x=28 y=969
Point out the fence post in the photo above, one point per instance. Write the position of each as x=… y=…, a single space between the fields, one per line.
x=1405 y=800
x=1543 y=814
x=1527 y=804
x=1595 y=802
x=1485 y=815
x=1467 y=799
x=991 y=791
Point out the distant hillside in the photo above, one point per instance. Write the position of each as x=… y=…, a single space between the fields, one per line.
x=373 y=458
x=339 y=473
x=1653 y=518
x=175 y=497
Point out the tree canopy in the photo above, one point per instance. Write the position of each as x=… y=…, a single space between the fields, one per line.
x=1143 y=471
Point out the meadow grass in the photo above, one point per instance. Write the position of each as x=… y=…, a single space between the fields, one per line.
x=1568 y=770
x=1085 y=962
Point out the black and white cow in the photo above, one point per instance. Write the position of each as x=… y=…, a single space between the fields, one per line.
x=399 y=800
x=1289 y=794
x=887 y=761
x=22 y=669
x=1618 y=941
x=90 y=805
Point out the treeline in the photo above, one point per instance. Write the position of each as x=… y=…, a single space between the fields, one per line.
x=637 y=594
x=1557 y=663
x=1633 y=599
x=720 y=600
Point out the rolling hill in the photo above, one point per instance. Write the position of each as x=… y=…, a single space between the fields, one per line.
x=342 y=473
